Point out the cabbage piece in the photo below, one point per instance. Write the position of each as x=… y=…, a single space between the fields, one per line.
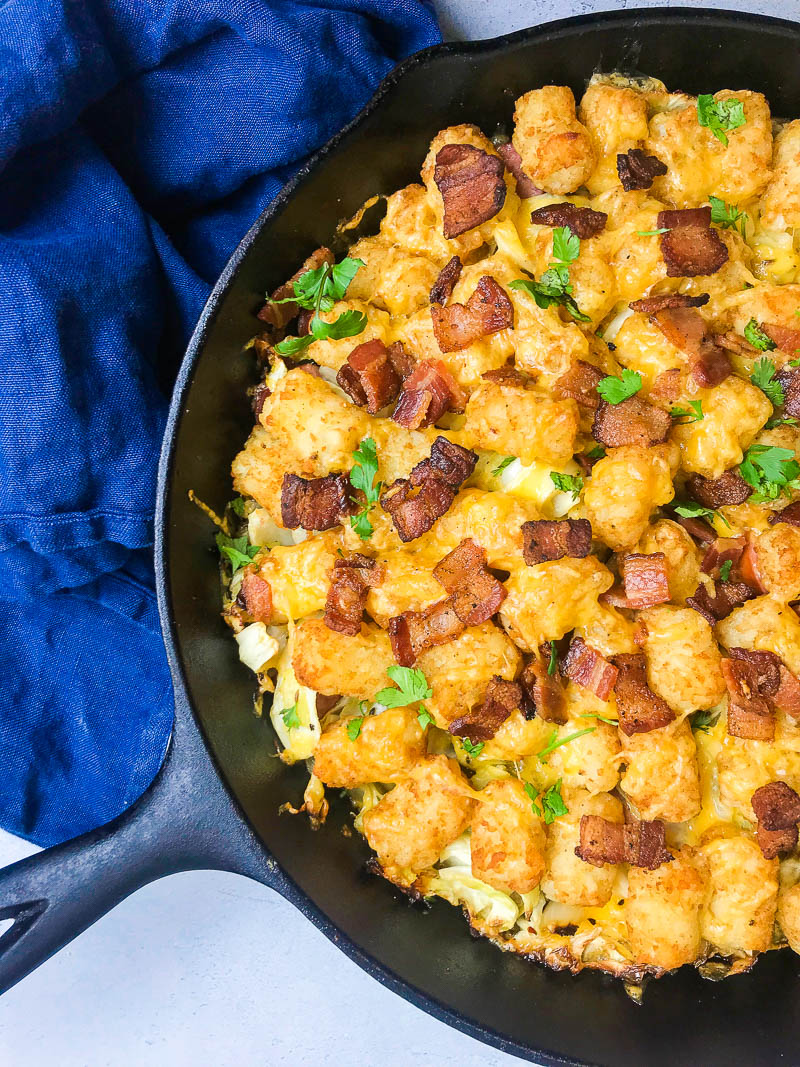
x=298 y=741
x=455 y=882
x=257 y=648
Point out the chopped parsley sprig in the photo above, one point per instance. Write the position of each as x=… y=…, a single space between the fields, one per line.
x=552 y=803
x=771 y=471
x=720 y=115
x=362 y=477
x=614 y=390
x=556 y=742
x=506 y=461
x=554 y=286
x=567 y=483
x=688 y=509
x=472 y=748
x=764 y=377
x=317 y=291
x=412 y=686
x=757 y=338
x=237 y=550
x=694 y=413
x=703 y=721
x=728 y=216
x=291 y=720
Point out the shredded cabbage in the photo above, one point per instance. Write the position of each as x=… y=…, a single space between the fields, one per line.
x=298 y=741
x=257 y=648
x=455 y=882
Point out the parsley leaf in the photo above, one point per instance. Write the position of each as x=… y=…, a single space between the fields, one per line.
x=687 y=509
x=757 y=338
x=725 y=570
x=554 y=286
x=555 y=743
x=291 y=346
x=602 y=718
x=318 y=290
x=771 y=471
x=291 y=720
x=654 y=233
x=412 y=686
x=567 y=483
x=424 y=718
x=354 y=727
x=704 y=720
x=237 y=506
x=781 y=420
x=727 y=216
x=566 y=245
x=362 y=476
x=598 y=452
x=501 y=466
x=237 y=550
x=552 y=802
x=614 y=390
x=551 y=666
x=693 y=415
x=348 y=324
x=720 y=115
x=764 y=377
x=470 y=748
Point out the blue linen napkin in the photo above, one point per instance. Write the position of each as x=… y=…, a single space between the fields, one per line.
x=139 y=140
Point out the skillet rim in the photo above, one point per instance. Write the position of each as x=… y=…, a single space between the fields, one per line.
x=283 y=883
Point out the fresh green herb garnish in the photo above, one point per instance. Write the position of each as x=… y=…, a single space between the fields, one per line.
x=555 y=743
x=412 y=685
x=501 y=466
x=551 y=666
x=470 y=748
x=554 y=286
x=362 y=476
x=771 y=471
x=614 y=390
x=598 y=452
x=654 y=233
x=757 y=338
x=318 y=290
x=781 y=420
x=425 y=719
x=720 y=115
x=764 y=377
x=567 y=483
x=693 y=415
x=727 y=216
x=704 y=720
x=552 y=802
x=354 y=727
x=602 y=718
x=689 y=510
x=725 y=570
x=793 y=363
x=291 y=720
x=238 y=550
x=237 y=506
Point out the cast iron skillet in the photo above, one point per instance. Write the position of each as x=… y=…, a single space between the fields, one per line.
x=214 y=804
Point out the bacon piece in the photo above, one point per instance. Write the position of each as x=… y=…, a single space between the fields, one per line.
x=580 y=384
x=749 y=713
x=280 y=315
x=475 y=592
x=585 y=666
x=697 y=528
x=482 y=722
x=446 y=282
x=633 y=422
x=684 y=328
x=690 y=246
x=260 y=395
x=748 y=567
x=438 y=479
x=776 y=806
x=368 y=377
x=544 y=692
x=447 y=460
x=721 y=551
x=727 y=596
x=712 y=364
x=513 y=161
x=639 y=843
x=785 y=337
x=415 y=631
x=548 y=539
x=649 y=305
x=790 y=514
x=645 y=579
x=790 y=383
x=583 y=221
x=637 y=169
x=255 y=596
x=787 y=697
x=315 y=503
x=487 y=311
x=640 y=709
x=351 y=581
x=428 y=392
x=773 y=842
x=505 y=375
x=767 y=667
x=729 y=488
x=472 y=187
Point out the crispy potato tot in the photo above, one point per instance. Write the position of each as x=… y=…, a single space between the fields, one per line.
x=556 y=150
x=663 y=911
x=336 y=664
x=386 y=749
x=507 y=839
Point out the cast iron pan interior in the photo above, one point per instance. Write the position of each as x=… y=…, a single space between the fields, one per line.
x=428 y=955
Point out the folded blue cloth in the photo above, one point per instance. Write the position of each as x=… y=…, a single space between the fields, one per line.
x=139 y=140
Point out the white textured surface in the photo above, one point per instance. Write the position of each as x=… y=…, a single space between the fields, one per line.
x=210 y=969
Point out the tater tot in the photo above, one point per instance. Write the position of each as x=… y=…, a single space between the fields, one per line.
x=424 y=813
x=780 y=204
x=739 y=912
x=624 y=490
x=733 y=413
x=778 y=555
x=788 y=915
x=387 y=747
x=683 y=660
x=332 y=663
x=616 y=118
x=518 y=422
x=661 y=777
x=571 y=880
x=299 y=575
x=556 y=150
x=662 y=911
x=767 y=624
x=507 y=838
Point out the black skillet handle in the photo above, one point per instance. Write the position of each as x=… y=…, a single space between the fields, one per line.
x=184 y=821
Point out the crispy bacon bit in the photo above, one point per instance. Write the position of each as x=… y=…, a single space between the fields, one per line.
x=505 y=375
x=749 y=713
x=446 y=282
x=543 y=691
x=259 y=397
x=368 y=377
x=447 y=460
x=637 y=169
x=475 y=592
x=767 y=667
x=580 y=384
x=583 y=221
x=727 y=596
x=481 y=723
x=645 y=579
x=722 y=550
x=790 y=514
x=649 y=305
x=667 y=384
x=729 y=488
x=315 y=503
x=690 y=246
x=472 y=187
x=415 y=631
x=585 y=666
x=776 y=806
x=712 y=364
x=255 y=597
x=697 y=528
x=438 y=479
x=790 y=383
x=487 y=311
x=513 y=162
x=640 y=709
x=785 y=337
x=549 y=539
x=428 y=392
x=633 y=422
x=280 y=315
x=787 y=698
x=641 y=844
x=684 y=328
x=748 y=567
x=773 y=842
x=351 y=581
